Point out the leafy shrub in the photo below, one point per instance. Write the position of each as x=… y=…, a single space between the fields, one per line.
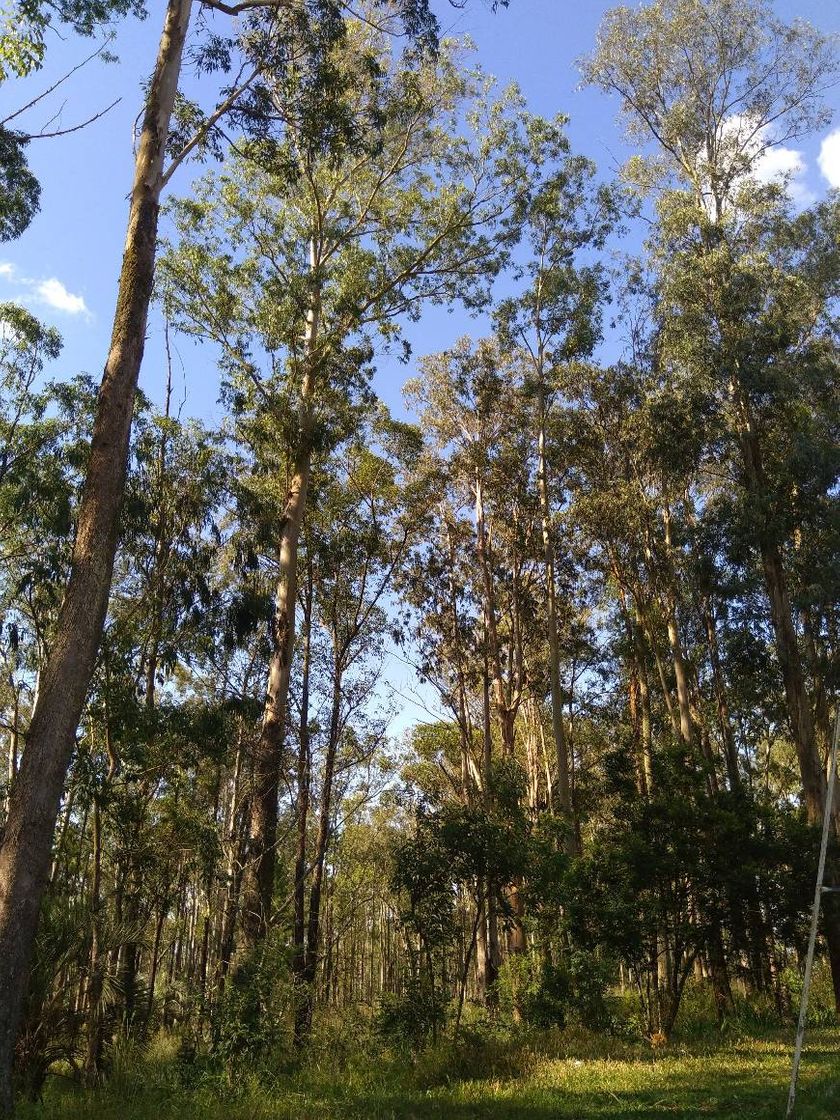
x=413 y=1016
x=589 y=979
x=821 y=1012
x=253 y=1015
x=545 y=994
x=547 y=1004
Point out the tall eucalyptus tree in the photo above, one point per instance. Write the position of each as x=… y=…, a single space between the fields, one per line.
x=744 y=288
x=303 y=251
x=555 y=320
x=33 y=807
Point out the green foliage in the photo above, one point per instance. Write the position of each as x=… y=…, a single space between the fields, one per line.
x=43 y=434
x=415 y=215
x=714 y=81
x=451 y=847
x=252 y=1022
x=499 y=1077
x=536 y=991
x=20 y=191
x=579 y=557
x=50 y=1029
x=548 y=994
x=26 y=24
x=416 y=1014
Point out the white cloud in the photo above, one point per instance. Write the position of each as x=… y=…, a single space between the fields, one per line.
x=829 y=157
x=54 y=294
x=801 y=194
x=48 y=293
x=752 y=146
x=775 y=163
x=787 y=165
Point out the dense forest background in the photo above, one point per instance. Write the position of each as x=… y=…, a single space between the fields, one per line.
x=599 y=544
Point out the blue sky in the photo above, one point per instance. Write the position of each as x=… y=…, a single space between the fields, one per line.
x=66 y=265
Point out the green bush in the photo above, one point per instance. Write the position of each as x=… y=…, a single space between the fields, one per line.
x=821 y=1012
x=547 y=1003
x=252 y=1021
x=413 y=1016
x=589 y=979
x=545 y=994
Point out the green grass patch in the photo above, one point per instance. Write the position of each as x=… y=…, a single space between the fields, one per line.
x=557 y=1075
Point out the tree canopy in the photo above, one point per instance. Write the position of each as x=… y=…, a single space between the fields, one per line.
x=588 y=569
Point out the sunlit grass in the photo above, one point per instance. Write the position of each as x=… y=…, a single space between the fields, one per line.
x=558 y=1075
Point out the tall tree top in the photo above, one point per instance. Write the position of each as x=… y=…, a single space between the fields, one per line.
x=714 y=83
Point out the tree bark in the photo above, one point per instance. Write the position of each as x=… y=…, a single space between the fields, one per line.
x=781 y=614
x=724 y=718
x=302 y=813
x=234 y=841
x=93 y=1059
x=489 y=936
x=504 y=709
x=303 y=1023
x=800 y=713
x=639 y=657
x=33 y=807
x=464 y=721
x=258 y=876
x=564 y=792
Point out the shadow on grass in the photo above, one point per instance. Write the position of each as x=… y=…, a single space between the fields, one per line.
x=738 y=1081
x=746 y=1094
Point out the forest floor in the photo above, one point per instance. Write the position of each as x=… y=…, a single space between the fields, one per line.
x=557 y=1076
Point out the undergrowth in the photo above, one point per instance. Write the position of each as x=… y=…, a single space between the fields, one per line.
x=734 y=1070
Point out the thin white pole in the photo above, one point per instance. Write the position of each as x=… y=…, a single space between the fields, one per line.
x=815 y=917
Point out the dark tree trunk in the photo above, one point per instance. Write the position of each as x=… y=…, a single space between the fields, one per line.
x=564 y=790
x=303 y=1023
x=798 y=702
x=93 y=1059
x=33 y=807
x=258 y=873
x=724 y=718
x=302 y=815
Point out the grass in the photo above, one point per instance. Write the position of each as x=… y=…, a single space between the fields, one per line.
x=562 y=1076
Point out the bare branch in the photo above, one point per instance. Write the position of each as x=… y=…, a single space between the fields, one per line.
x=40 y=97
x=73 y=128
